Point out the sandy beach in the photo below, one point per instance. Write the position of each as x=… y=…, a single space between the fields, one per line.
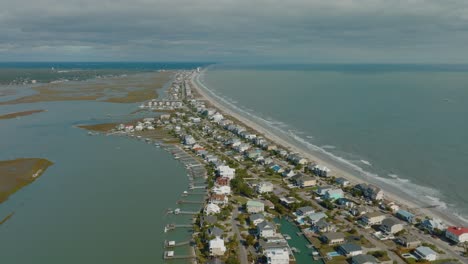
x=403 y=200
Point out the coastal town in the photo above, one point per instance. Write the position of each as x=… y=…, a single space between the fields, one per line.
x=264 y=203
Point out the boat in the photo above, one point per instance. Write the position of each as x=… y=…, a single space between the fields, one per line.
x=169 y=254
x=185 y=192
x=177 y=211
x=287 y=237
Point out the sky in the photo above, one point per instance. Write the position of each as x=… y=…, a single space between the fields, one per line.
x=258 y=31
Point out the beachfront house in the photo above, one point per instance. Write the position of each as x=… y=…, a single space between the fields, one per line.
x=253 y=206
x=303 y=181
x=264 y=187
x=296 y=159
x=189 y=140
x=217 y=247
x=372 y=218
x=457 y=234
x=342 y=182
x=408 y=241
x=370 y=191
x=266 y=229
x=432 y=225
x=425 y=253
x=333 y=238
x=350 y=250
x=212 y=209
x=318 y=170
x=391 y=226
x=405 y=216
x=364 y=259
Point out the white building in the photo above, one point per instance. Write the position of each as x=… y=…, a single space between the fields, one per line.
x=217 y=247
x=457 y=234
x=189 y=140
x=222 y=190
x=264 y=187
x=255 y=206
x=277 y=256
x=212 y=209
x=426 y=253
x=226 y=171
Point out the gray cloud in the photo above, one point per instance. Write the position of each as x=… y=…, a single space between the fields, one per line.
x=229 y=30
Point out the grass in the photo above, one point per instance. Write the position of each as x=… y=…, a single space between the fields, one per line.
x=18 y=114
x=15 y=174
x=106 y=127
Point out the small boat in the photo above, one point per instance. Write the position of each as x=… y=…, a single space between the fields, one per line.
x=185 y=192
x=169 y=254
x=177 y=211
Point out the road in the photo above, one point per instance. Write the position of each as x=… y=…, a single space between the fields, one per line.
x=242 y=251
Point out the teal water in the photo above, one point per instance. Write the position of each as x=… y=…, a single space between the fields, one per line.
x=103 y=201
x=299 y=242
x=402 y=127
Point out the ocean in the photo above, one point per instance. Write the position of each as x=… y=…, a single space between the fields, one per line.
x=401 y=126
x=105 y=198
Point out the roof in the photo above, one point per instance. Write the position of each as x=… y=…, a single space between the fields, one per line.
x=209 y=219
x=254 y=203
x=216 y=231
x=254 y=217
x=390 y=222
x=425 y=251
x=405 y=214
x=361 y=259
x=409 y=238
x=306 y=209
x=266 y=225
x=317 y=216
x=350 y=247
x=373 y=214
x=458 y=231
x=334 y=235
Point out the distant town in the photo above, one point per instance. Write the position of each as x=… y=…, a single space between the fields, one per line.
x=256 y=187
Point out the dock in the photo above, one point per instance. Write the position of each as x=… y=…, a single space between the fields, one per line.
x=172 y=244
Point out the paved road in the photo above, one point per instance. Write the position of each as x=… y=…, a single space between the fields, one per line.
x=242 y=252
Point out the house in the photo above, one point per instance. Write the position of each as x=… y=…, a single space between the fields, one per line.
x=277 y=256
x=322 y=226
x=364 y=259
x=208 y=220
x=315 y=217
x=405 y=215
x=390 y=206
x=302 y=180
x=333 y=194
x=391 y=226
x=189 y=140
x=333 y=238
x=256 y=219
x=273 y=242
x=297 y=160
x=218 y=199
x=432 y=224
x=342 y=182
x=457 y=234
x=370 y=191
x=320 y=171
x=268 y=204
x=212 y=209
x=217 y=247
x=426 y=253
x=288 y=173
x=373 y=218
x=221 y=190
x=322 y=190
x=215 y=231
x=264 y=187
x=345 y=203
x=305 y=211
x=266 y=229
x=358 y=211
x=288 y=201
x=255 y=206
x=408 y=241
x=225 y=171
x=350 y=249
x=222 y=181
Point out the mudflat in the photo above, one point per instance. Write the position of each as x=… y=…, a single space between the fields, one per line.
x=22 y=113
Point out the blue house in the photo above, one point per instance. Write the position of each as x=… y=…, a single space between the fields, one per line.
x=405 y=215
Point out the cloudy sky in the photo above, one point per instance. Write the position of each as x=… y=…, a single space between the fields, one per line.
x=308 y=31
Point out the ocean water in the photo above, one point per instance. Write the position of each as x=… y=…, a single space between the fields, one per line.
x=404 y=126
x=105 y=198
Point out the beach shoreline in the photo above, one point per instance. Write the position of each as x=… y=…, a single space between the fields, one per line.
x=400 y=197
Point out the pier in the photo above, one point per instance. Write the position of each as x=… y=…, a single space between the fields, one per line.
x=172 y=244
x=190 y=202
x=174 y=226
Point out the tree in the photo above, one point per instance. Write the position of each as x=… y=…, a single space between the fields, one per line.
x=250 y=240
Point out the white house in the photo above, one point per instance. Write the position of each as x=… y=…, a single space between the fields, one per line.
x=391 y=226
x=217 y=117
x=222 y=190
x=426 y=253
x=350 y=249
x=226 y=171
x=219 y=199
x=255 y=206
x=212 y=209
x=457 y=234
x=217 y=247
x=256 y=219
x=189 y=140
x=373 y=218
x=277 y=256
x=266 y=229
x=264 y=187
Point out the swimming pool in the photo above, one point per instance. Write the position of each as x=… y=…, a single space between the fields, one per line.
x=333 y=254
